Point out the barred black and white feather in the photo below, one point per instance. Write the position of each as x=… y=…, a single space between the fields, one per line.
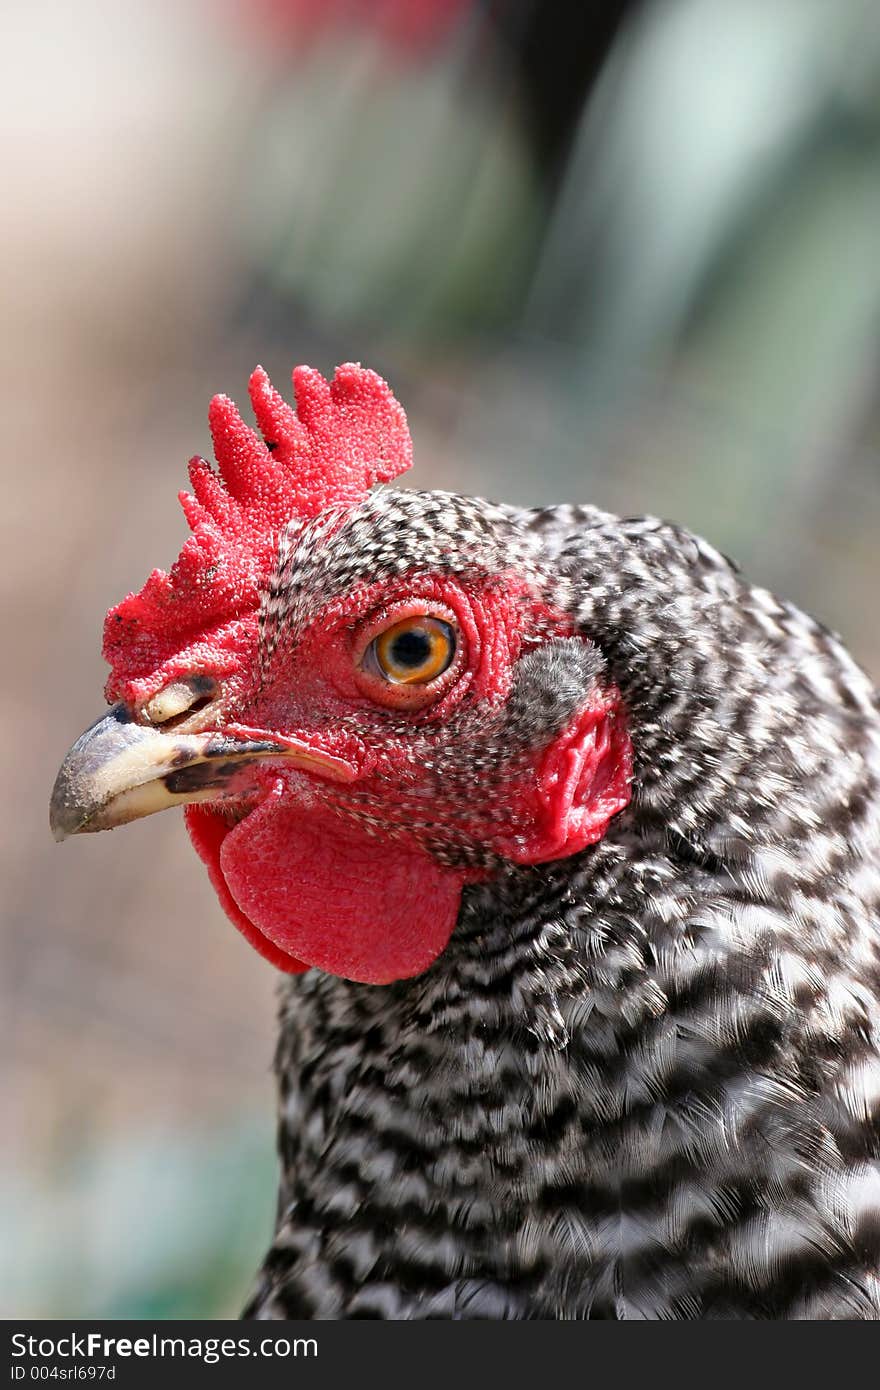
x=642 y=1082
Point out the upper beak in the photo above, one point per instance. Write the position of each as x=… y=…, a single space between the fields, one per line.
x=119 y=770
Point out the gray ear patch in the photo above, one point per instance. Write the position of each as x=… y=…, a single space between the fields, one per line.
x=551 y=682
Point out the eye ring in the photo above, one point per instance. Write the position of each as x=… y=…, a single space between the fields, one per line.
x=412 y=652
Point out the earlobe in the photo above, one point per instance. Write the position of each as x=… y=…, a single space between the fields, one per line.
x=583 y=779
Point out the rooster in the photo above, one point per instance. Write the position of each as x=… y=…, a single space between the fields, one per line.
x=568 y=842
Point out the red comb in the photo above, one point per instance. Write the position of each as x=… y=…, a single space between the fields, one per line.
x=345 y=436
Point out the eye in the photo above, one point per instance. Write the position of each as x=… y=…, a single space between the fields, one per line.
x=412 y=652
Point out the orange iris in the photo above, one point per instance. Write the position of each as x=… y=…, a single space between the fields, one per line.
x=414 y=651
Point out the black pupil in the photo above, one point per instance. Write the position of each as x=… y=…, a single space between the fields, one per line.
x=411 y=649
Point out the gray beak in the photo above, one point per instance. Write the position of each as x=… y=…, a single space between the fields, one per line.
x=120 y=770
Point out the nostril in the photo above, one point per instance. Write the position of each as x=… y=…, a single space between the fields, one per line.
x=179 y=700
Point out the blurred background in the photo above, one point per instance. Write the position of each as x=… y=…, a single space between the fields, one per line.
x=626 y=253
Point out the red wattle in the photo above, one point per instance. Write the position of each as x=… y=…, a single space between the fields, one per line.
x=207 y=831
x=307 y=890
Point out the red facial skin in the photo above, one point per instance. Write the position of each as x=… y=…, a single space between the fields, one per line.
x=309 y=886
x=298 y=868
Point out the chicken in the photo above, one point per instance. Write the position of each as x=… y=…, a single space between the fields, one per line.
x=581 y=835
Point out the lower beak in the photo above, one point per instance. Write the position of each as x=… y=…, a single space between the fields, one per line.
x=119 y=770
